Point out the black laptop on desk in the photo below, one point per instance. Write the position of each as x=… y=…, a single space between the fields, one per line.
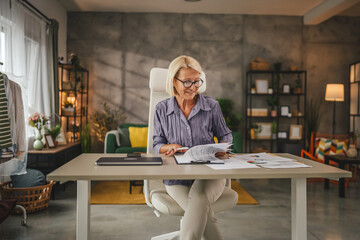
x=128 y=161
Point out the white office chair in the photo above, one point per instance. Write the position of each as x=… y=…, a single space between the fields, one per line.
x=155 y=194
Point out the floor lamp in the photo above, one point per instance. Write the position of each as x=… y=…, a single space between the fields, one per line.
x=334 y=93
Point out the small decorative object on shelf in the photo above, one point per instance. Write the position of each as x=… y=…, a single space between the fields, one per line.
x=262 y=86
x=272 y=102
x=298 y=86
x=259 y=64
x=286 y=88
x=38 y=121
x=293 y=68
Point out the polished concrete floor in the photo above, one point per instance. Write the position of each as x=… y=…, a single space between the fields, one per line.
x=329 y=217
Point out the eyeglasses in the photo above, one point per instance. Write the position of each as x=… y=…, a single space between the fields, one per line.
x=188 y=84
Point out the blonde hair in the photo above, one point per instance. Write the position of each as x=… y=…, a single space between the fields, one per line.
x=174 y=67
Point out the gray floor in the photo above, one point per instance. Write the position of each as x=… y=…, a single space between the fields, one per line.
x=329 y=217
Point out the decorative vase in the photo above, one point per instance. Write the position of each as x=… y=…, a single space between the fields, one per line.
x=38 y=144
x=351 y=152
x=273 y=113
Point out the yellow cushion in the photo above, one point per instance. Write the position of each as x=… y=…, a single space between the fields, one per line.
x=216 y=140
x=138 y=136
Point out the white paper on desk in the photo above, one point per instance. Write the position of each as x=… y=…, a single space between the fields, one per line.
x=232 y=163
x=266 y=160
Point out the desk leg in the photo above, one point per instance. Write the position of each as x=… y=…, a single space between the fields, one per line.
x=326 y=181
x=298 y=209
x=342 y=182
x=83 y=210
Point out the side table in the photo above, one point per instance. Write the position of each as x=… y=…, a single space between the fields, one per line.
x=49 y=159
x=342 y=161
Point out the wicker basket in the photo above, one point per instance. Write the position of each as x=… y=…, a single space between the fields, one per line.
x=33 y=199
x=259 y=66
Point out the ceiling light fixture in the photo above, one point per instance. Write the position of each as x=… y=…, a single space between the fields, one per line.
x=192 y=0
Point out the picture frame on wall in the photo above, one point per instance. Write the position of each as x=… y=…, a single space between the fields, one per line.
x=295 y=132
x=49 y=141
x=284 y=110
x=262 y=86
x=286 y=88
x=282 y=135
x=265 y=132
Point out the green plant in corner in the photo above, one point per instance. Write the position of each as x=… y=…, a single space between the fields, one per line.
x=233 y=120
x=68 y=104
x=85 y=138
x=312 y=117
x=106 y=120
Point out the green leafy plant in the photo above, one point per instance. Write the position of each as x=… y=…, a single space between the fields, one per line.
x=233 y=120
x=106 y=120
x=272 y=101
x=85 y=138
x=273 y=127
x=53 y=131
x=312 y=117
x=298 y=83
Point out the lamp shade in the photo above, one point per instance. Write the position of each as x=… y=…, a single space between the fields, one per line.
x=334 y=92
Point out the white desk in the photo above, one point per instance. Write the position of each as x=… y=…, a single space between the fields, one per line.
x=83 y=170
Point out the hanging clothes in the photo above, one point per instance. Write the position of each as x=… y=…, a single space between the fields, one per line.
x=13 y=148
x=5 y=134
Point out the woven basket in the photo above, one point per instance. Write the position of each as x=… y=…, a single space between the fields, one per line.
x=259 y=66
x=33 y=199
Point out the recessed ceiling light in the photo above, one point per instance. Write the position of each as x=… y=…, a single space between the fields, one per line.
x=192 y=0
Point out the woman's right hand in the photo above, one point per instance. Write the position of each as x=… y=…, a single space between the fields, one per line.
x=171 y=149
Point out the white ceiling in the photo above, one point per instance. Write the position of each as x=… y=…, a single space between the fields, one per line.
x=314 y=11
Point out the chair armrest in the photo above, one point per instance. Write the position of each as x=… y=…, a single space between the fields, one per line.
x=110 y=143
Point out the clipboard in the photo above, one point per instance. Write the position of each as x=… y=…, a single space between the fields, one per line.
x=181 y=160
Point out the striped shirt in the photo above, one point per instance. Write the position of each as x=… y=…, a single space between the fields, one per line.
x=204 y=122
x=5 y=134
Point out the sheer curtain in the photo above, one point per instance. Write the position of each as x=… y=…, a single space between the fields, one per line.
x=27 y=60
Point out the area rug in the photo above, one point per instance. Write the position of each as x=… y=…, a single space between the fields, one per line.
x=117 y=192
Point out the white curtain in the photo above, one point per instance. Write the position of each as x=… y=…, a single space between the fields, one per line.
x=27 y=60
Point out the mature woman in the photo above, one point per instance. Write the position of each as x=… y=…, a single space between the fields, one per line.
x=187 y=119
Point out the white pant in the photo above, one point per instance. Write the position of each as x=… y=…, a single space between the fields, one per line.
x=199 y=219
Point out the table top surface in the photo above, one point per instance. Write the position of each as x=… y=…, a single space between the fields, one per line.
x=54 y=150
x=83 y=168
x=342 y=158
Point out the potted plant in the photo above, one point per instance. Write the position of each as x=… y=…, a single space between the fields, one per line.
x=298 y=86
x=233 y=121
x=255 y=129
x=106 y=120
x=68 y=108
x=272 y=101
x=85 y=138
x=312 y=117
x=53 y=131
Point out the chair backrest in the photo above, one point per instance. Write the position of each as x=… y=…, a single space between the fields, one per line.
x=315 y=135
x=158 y=93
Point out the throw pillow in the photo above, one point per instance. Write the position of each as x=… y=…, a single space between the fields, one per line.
x=32 y=178
x=124 y=137
x=322 y=147
x=339 y=147
x=138 y=136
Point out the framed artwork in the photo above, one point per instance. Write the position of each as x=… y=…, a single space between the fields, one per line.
x=49 y=141
x=295 y=132
x=61 y=138
x=265 y=132
x=282 y=135
x=284 y=110
x=262 y=86
x=286 y=88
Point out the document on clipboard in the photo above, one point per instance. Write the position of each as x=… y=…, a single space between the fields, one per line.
x=203 y=154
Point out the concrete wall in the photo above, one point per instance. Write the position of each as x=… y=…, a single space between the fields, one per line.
x=119 y=49
x=53 y=9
